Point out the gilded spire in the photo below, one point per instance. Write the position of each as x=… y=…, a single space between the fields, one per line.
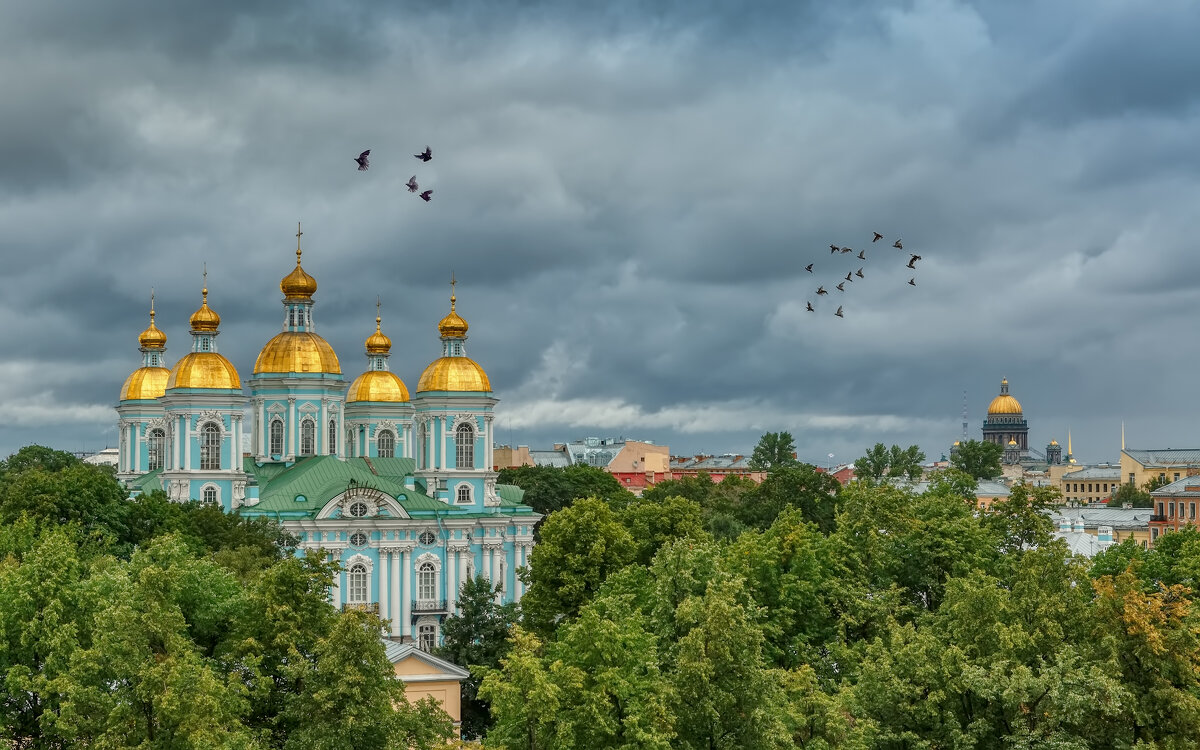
x=298 y=285
x=205 y=319
x=298 y=233
x=378 y=343
x=453 y=325
x=152 y=337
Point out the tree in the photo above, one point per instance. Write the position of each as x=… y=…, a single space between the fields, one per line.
x=719 y=502
x=775 y=450
x=524 y=699
x=980 y=459
x=879 y=462
x=1022 y=521
x=813 y=493
x=477 y=638
x=1129 y=492
x=551 y=488
x=653 y=523
x=580 y=546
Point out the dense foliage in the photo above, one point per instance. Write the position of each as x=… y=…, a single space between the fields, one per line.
x=978 y=458
x=153 y=624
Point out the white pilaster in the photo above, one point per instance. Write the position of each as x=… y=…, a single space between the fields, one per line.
x=291 y=426
x=405 y=600
x=384 y=611
x=187 y=441
x=337 y=585
x=322 y=431
x=395 y=583
x=451 y=583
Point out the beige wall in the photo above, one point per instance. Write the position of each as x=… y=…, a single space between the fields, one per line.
x=507 y=457
x=641 y=457
x=447 y=692
x=1086 y=490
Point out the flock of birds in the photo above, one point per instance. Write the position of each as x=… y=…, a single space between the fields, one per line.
x=851 y=275
x=364 y=163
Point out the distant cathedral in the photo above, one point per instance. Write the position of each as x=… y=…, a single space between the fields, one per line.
x=400 y=491
x=1007 y=427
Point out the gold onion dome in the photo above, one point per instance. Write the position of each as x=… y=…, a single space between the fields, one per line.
x=378 y=343
x=454 y=374
x=204 y=369
x=145 y=383
x=298 y=284
x=152 y=337
x=205 y=319
x=1053 y=442
x=1004 y=403
x=452 y=326
x=377 y=385
x=297 y=351
x=1012 y=442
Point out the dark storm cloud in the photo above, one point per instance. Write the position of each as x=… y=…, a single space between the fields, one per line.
x=628 y=193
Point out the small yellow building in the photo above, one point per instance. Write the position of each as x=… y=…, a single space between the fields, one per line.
x=1089 y=484
x=425 y=675
x=1169 y=464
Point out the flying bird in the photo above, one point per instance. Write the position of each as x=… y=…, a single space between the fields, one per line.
x=425 y=155
x=859 y=273
x=862 y=254
x=833 y=249
x=841 y=287
x=809 y=268
x=912 y=260
x=821 y=290
x=878 y=237
x=808 y=306
x=425 y=195
x=912 y=281
x=847 y=249
x=839 y=312
x=849 y=276
x=897 y=245
x=363 y=163
x=412 y=184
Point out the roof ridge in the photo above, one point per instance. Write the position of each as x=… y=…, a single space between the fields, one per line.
x=370 y=465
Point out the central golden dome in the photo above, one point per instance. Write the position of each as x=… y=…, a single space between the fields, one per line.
x=204 y=370
x=454 y=374
x=205 y=319
x=298 y=284
x=378 y=342
x=145 y=383
x=377 y=385
x=297 y=351
x=152 y=337
x=1004 y=403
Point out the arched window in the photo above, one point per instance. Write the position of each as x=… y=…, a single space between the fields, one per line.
x=464 y=494
x=422 y=447
x=277 y=437
x=332 y=436
x=357 y=584
x=386 y=443
x=210 y=446
x=208 y=496
x=464 y=443
x=427 y=636
x=308 y=437
x=427 y=582
x=157 y=447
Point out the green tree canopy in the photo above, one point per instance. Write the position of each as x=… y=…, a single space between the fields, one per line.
x=980 y=459
x=775 y=450
x=551 y=488
x=895 y=462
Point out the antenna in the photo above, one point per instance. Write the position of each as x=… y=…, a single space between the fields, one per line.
x=964 y=416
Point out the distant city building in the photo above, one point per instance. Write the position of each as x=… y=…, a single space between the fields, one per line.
x=1167 y=465
x=105 y=457
x=428 y=676
x=716 y=467
x=1174 y=506
x=1122 y=523
x=1005 y=424
x=1091 y=484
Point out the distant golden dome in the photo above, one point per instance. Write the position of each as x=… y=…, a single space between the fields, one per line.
x=1004 y=403
x=1012 y=442
x=205 y=319
x=298 y=284
x=957 y=443
x=452 y=326
x=378 y=343
x=152 y=337
x=377 y=385
x=204 y=370
x=297 y=351
x=145 y=383
x=1053 y=442
x=454 y=374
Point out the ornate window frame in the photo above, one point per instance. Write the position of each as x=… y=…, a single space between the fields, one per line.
x=202 y=432
x=465 y=434
x=427 y=591
x=382 y=437
x=309 y=422
x=458 y=493
x=216 y=494
x=368 y=574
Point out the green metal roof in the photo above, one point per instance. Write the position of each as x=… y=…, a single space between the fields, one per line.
x=148 y=482
x=510 y=494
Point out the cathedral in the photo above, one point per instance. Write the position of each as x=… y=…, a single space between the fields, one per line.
x=398 y=489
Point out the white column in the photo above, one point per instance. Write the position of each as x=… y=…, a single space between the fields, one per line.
x=462 y=564
x=291 y=427
x=384 y=611
x=405 y=599
x=395 y=583
x=341 y=432
x=322 y=432
x=175 y=440
x=337 y=585
x=451 y=582
x=187 y=441
x=263 y=433
x=135 y=448
x=236 y=464
x=442 y=441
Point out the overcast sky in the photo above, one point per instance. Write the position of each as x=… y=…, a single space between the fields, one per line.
x=628 y=193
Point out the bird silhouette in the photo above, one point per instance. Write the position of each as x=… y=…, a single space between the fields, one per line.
x=847 y=249
x=833 y=249
x=841 y=287
x=912 y=281
x=425 y=155
x=862 y=254
x=808 y=306
x=912 y=260
x=897 y=245
x=839 y=312
x=362 y=160
x=821 y=290
x=877 y=237
x=425 y=195
x=849 y=276
x=859 y=273
x=809 y=268
x=412 y=184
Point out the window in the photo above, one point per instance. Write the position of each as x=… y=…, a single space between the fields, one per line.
x=358 y=539
x=1170 y=509
x=205 y=345
x=1177 y=476
x=308 y=437
x=277 y=437
x=357 y=584
x=426 y=582
x=210 y=446
x=427 y=538
x=426 y=636
x=1160 y=509
x=209 y=496
x=386 y=442
x=464 y=494
x=332 y=437
x=157 y=448
x=358 y=510
x=464 y=443
x=1192 y=511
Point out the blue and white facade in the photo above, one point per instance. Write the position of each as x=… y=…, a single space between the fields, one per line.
x=400 y=491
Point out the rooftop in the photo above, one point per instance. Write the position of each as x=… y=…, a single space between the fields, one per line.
x=1165 y=456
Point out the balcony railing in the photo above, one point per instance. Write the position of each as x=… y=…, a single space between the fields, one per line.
x=429 y=606
x=1156 y=518
x=372 y=607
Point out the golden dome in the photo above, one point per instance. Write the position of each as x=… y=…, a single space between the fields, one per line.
x=1012 y=442
x=452 y=326
x=297 y=351
x=1004 y=403
x=152 y=337
x=1053 y=442
x=454 y=374
x=145 y=383
x=205 y=319
x=298 y=284
x=204 y=370
x=378 y=343
x=377 y=385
